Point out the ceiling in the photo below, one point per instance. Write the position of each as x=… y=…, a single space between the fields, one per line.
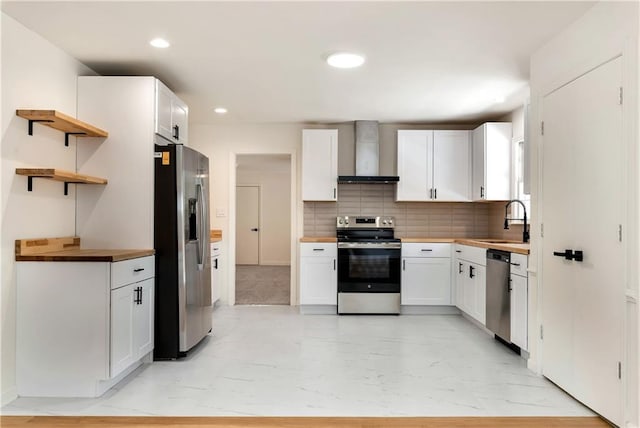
x=426 y=62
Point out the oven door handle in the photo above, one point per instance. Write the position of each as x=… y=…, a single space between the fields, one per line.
x=389 y=246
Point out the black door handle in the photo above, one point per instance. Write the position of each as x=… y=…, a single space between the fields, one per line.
x=471 y=275
x=176 y=132
x=578 y=255
x=255 y=229
x=567 y=254
x=459 y=267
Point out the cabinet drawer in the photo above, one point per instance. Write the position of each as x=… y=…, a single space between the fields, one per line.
x=133 y=270
x=476 y=255
x=426 y=250
x=310 y=249
x=519 y=264
x=215 y=249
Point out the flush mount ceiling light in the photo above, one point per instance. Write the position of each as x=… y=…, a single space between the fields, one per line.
x=220 y=110
x=159 y=43
x=345 y=60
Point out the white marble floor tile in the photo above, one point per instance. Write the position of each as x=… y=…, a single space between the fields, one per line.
x=272 y=361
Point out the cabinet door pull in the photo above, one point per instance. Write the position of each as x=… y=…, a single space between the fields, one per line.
x=431 y=193
x=334 y=264
x=138 y=269
x=435 y=193
x=216 y=264
x=334 y=193
x=459 y=267
x=482 y=192
x=509 y=285
x=471 y=275
x=404 y=264
x=176 y=132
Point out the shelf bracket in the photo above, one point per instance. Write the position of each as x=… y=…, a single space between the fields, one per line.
x=36 y=120
x=66 y=137
x=29 y=183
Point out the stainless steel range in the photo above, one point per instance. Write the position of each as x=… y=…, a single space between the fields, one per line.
x=368 y=265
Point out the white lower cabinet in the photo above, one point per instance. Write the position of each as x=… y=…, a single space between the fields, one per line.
x=471 y=281
x=318 y=274
x=82 y=326
x=426 y=274
x=519 y=301
x=131 y=324
x=216 y=271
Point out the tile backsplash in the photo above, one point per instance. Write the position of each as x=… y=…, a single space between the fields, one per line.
x=413 y=219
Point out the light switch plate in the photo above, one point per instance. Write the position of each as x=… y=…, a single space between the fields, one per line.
x=221 y=212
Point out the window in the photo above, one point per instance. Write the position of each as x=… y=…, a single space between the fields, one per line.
x=518 y=181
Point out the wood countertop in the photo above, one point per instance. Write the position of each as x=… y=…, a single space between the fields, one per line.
x=323 y=239
x=86 y=256
x=216 y=235
x=495 y=244
x=68 y=249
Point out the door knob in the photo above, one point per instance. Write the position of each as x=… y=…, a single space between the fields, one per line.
x=255 y=229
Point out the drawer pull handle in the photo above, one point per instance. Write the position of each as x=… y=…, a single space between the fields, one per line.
x=318 y=249
x=458 y=251
x=515 y=264
x=426 y=249
x=138 y=269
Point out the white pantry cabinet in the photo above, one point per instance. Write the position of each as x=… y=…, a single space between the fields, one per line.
x=433 y=165
x=172 y=115
x=426 y=274
x=216 y=271
x=492 y=162
x=120 y=215
x=82 y=326
x=519 y=300
x=318 y=273
x=471 y=281
x=319 y=164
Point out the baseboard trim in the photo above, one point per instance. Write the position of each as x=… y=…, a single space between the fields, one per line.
x=428 y=310
x=9 y=395
x=319 y=309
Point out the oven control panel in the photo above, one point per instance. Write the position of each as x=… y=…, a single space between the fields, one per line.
x=365 y=222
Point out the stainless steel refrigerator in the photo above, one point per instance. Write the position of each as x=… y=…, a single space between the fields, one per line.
x=182 y=243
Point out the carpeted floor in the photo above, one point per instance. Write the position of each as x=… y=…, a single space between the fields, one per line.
x=262 y=285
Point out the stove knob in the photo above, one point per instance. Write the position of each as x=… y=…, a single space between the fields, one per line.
x=346 y=221
x=390 y=221
x=340 y=221
x=384 y=221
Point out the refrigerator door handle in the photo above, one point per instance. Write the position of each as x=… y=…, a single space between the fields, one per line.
x=201 y=222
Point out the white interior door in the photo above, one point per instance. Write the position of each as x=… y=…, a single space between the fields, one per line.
x=583 y=184
x=247 y=225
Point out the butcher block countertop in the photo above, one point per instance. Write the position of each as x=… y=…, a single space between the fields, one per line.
x=216 y=235
x=68 y=250
x=495 y=244
x=324 y=239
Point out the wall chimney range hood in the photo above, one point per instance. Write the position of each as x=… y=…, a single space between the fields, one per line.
x=367 y=156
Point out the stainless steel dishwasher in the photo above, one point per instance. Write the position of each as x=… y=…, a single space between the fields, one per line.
x=498 y=294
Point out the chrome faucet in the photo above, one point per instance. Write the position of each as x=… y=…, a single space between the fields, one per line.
x=525 y=231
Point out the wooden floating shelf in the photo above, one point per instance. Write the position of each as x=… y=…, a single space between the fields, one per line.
x=61 y=122
x=58 y=175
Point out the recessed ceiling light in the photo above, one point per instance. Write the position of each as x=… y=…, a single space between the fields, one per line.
x=159 y=43
x=220 y=110
x=345 y=60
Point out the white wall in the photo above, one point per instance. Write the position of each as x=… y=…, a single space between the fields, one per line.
x=222 y=143
x=275 y=212
x=607 y=30
x=35 y=75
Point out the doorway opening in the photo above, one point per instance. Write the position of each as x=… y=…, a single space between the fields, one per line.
x=263 y=229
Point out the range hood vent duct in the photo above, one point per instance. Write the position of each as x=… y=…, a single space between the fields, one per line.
x=367 y=156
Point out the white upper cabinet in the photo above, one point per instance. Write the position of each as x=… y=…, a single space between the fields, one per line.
x=172 y=115
x=319 y=164
x=433 y=165
x=492 y=162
